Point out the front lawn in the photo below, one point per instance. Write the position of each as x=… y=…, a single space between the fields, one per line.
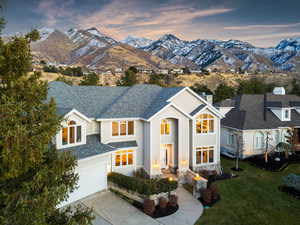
x=253 y=198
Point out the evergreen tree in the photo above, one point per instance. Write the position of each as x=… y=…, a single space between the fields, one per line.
x=34 y=177
x=201 y=88
x=65 y=80
x=90 y=79
x=254 y=86
x=223 y=92
x=129 y=78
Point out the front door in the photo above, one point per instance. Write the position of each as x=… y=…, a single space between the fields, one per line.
x=164 y=157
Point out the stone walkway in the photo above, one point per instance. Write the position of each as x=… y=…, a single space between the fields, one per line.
x=110 y=209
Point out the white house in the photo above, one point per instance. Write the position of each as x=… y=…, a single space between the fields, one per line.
x=123 y=129
x=258 y=118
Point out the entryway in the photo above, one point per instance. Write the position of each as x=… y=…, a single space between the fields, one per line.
x=165 y=155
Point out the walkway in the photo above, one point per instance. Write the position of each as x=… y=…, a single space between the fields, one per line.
x=110 y=209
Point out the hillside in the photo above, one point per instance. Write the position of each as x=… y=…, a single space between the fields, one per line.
x=92 y=49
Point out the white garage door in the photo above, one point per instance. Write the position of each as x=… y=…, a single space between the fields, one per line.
x=92 y=178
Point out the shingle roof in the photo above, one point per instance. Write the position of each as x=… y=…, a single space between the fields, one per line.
x=198 y=109
x=92 y=147
x=251 y=112
x=139 y=101
x=123 y=144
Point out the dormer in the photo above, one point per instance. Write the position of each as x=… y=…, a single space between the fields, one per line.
x=280 y=104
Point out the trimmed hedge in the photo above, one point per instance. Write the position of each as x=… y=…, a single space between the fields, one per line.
x=142 y=186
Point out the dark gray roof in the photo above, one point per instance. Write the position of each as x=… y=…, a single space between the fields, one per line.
x=62 y=111
x=92 y=147
x=251 y=112
x=123 y=144
x=198 y=109
x=225 y=103
x=140 y=101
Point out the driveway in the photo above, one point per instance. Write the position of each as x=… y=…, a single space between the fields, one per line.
x=110 y=209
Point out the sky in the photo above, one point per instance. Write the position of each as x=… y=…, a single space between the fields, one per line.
x=261 y=22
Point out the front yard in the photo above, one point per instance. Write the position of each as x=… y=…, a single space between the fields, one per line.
x=253 y=198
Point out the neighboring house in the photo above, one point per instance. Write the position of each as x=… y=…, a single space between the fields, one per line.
x=123 y=129
x=257 y=118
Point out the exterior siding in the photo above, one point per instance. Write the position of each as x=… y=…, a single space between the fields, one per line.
x=187 y=101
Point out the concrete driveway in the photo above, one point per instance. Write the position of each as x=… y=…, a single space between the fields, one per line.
x=110 y=209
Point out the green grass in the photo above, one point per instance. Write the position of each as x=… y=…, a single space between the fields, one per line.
x=253 y=199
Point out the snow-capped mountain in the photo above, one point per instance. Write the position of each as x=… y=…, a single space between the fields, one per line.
x=137 y=42
x=225 y=55
x=45 y=32
x=92 y=49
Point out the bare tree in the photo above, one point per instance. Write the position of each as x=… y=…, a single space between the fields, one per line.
x=239 y=148
x=268 y=146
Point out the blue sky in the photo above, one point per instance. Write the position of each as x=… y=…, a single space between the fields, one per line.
x=261 y=22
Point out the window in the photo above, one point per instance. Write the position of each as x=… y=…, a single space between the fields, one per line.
x=71 y=134
x=122 y=128
x=286 y=114
x=124 y=158
x=205 y=124
x=259 y=140
x=204 y=155
x=230 y=139
x=165 y=127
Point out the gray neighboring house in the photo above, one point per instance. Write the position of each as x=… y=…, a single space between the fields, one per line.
x=255 y=118
x=123 y=129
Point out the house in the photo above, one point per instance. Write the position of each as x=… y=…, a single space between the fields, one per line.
x=163 y=71
x=252 y=120
x=177 y=71
x=122 y=129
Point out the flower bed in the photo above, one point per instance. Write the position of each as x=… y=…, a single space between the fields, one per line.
x=272 y=164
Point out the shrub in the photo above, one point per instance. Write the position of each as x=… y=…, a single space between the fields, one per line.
x=206 y=195
x=142 y=186
x=149 y=207
x=141 y=173
x=292 y=180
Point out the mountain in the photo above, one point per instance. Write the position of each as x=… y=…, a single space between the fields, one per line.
x=137 y=42
x=225 y=55
x=92 y=49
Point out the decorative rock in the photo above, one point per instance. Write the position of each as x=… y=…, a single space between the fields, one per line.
x=277 y=159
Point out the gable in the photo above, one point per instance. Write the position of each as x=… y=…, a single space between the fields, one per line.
x=170 y=111
x=187 y=101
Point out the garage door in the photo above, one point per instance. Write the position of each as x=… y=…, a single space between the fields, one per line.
x=92 y=178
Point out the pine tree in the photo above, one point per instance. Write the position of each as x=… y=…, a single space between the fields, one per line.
x=90 y=79
x=223 y=92
x=130 y=78
x=34 y=176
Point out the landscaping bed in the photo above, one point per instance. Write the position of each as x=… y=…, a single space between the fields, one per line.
x=154 y=197
x=272 y=164
x=290 y=191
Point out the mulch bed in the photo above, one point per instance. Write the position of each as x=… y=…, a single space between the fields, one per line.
x=159 y=212
x=290 y=191
x=272 y=164
x=205 y=204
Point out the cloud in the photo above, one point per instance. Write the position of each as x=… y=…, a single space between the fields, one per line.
x=55 y=11
x=271 y=26
x=121 y=18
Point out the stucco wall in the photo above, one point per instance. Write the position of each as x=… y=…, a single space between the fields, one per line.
x=106 y=137
x=206 y=140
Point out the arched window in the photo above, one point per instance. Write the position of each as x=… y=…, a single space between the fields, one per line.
x=72 y=133
x=165 y=127
x=259 y=140
x=205 y=124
